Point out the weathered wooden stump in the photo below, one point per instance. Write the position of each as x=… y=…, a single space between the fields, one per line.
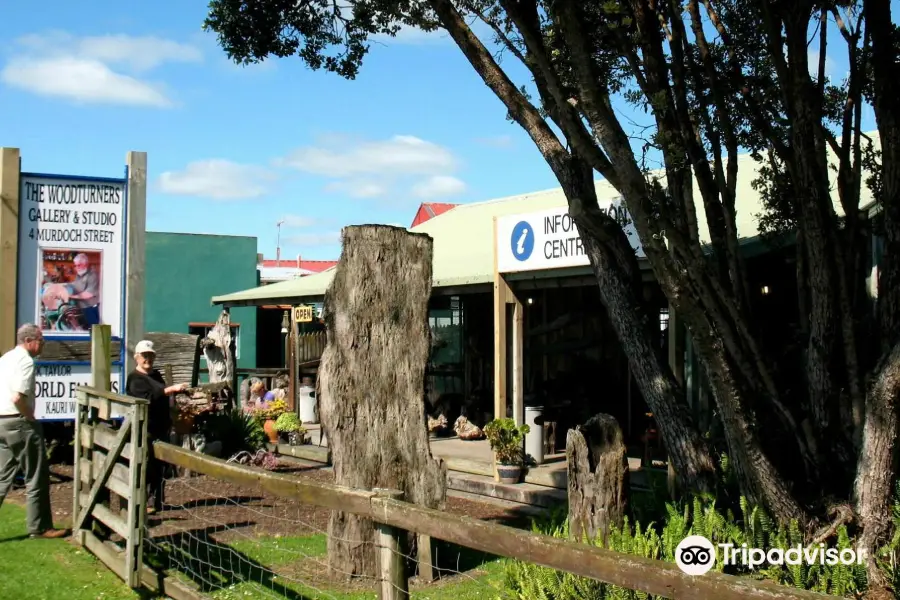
x=598 y=478
x=372 y=379
x=216 y=348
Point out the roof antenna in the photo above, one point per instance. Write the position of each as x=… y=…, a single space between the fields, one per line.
x=278 y=243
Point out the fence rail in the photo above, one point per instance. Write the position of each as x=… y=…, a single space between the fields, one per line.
x=636 y=573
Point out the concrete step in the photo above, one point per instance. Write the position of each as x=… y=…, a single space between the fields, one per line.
x=522 y=493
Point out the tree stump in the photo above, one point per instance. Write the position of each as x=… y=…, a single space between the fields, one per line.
x=371 y=381
x=598 y=478
x=217 y=349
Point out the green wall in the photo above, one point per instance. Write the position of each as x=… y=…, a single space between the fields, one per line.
x=184 y=271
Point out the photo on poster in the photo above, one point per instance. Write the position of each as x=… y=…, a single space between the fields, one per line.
x=70 y=291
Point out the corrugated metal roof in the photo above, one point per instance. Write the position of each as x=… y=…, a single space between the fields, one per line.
x=464 y=236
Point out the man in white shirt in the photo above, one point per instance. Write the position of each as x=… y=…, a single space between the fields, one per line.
x=21 y=436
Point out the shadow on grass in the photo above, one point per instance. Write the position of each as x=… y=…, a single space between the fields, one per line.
x=212 y=565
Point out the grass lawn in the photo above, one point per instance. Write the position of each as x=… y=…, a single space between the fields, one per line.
x=57 y=570
x=242 y=570
x=50 y=569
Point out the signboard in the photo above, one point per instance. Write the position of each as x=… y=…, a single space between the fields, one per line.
x=54 y=390
x=548 y=239
x=303 y=314
x=71 y=253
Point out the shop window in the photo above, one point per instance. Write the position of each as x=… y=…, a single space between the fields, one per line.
x=203 y=329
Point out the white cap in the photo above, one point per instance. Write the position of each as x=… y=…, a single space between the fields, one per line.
x=144 y=346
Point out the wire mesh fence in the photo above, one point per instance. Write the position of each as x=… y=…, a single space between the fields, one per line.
x=242 y=541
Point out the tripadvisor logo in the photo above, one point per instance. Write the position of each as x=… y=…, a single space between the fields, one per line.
x=696 y=555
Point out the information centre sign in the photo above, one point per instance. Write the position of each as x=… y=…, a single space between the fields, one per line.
x=549 y=239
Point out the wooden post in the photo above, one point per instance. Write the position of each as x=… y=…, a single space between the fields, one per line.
x=293 y=364
x=499 y=345
x=426 y=563
x=500 y=291
x=101 y=364
x=518 y=373
x=136 y=230
x=137 y=500
x=9 y=245
x=392 y=581
x=81 y=407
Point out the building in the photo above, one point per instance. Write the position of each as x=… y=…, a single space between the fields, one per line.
x=184 y=270
x=518 y=320
x=429 y=210
x=275 y=270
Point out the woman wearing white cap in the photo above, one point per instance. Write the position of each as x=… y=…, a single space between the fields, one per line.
x=148 y=383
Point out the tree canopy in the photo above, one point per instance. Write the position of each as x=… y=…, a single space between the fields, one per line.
x=808 y=435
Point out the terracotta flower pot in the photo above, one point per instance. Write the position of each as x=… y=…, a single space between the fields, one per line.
x=269 y=428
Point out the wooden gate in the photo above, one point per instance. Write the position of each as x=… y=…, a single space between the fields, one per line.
x=110 y=469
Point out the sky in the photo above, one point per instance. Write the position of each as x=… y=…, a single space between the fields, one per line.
x=234 y=150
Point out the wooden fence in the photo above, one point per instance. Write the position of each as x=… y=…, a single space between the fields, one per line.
x=392 y=515
x=310 y=346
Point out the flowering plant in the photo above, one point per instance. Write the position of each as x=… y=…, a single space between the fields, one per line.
x=271 y=410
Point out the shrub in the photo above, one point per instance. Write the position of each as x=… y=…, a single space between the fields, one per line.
x=699 y=517
x=506 y=440
x=236 y=430
x=271 y=410
x=288 y=422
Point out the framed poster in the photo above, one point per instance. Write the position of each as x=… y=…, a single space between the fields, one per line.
x=71 y=254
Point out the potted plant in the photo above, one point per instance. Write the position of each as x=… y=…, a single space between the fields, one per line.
x=268 y=414
x=288 y=425
x=507 y=441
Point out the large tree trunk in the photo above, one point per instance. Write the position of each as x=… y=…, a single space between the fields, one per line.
x=877 y=465
x=877 y=468
x=615 y=267
x=598 y=478
x=371 y=381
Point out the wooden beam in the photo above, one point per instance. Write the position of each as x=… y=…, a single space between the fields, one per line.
x=293 y=364
x=425 y=561
x=393 y=584
x=135 y=283
x=633 y=572
x=518 y=368
x=9 y=245
x=92 y=394
x=499 y=337
x=101 y=365
x=330 y=496
x=629 y=571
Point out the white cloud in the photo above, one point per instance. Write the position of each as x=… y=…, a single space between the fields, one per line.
x=365 y=169
x=298 y=221
x=98 y=69
x=325 y=238
x=438 y=186
x=401 y=154
x=87 y=81
x=217 y=179
x=358 y=188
